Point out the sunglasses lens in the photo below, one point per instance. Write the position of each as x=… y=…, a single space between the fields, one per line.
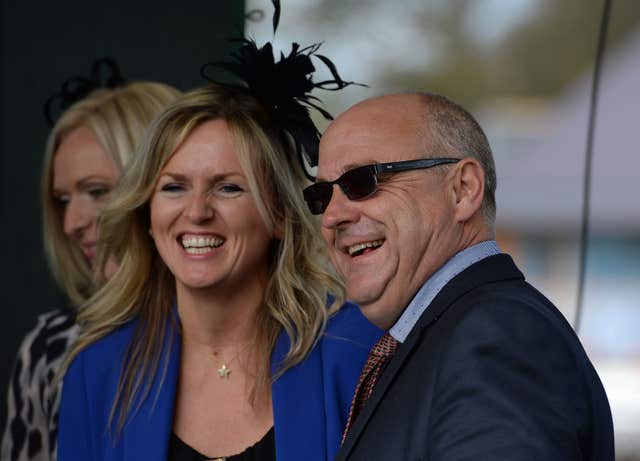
x=358 y=183
x=318 y=197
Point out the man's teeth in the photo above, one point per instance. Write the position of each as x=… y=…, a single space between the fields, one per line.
x=200 y=244
x=362 y=246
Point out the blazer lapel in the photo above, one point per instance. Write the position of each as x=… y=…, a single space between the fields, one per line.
x=146 y=434
x=491 y=269
x=298 y=406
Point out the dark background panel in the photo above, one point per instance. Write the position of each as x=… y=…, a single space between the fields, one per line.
x=42 y=44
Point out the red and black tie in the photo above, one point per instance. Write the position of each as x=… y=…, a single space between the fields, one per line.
x=379 y=357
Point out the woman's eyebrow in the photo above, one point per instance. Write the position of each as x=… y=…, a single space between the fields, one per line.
x=214 y=177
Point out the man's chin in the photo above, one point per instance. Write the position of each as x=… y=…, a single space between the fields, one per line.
x=379 y=315
x=361 y=295
x=372 y=307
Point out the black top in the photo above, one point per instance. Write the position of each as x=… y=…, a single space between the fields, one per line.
x=263 y=450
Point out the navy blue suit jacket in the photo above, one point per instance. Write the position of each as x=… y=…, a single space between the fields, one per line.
x=491 y=371
x=310 y=401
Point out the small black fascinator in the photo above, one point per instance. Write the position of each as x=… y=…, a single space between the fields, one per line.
x=105 y=73
x=284 y=87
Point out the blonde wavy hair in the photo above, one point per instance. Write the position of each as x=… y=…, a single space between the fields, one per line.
x=300 y=283
x=117 y=118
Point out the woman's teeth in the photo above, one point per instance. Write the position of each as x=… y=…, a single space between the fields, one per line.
x=200 y=244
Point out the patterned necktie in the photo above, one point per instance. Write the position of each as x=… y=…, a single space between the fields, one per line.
x=379 y=357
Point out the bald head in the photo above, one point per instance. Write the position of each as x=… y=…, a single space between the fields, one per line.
x=379 y=118
x=433 y=125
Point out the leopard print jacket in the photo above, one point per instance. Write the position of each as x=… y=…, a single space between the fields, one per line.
x=34 y=392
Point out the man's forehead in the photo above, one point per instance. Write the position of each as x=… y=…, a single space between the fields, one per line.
x=344 y=151
x=335 y=169
x=371 y=132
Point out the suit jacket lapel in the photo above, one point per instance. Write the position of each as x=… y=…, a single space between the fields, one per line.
x=379 y=391
x=492 y=269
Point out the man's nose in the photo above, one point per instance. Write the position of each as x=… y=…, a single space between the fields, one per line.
x=340 y=210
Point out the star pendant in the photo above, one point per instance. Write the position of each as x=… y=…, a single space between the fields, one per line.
x=223 y=371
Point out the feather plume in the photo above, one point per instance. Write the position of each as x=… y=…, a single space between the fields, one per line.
x=284 y=88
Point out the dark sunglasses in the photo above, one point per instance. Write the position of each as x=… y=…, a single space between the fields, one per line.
x=361 y=182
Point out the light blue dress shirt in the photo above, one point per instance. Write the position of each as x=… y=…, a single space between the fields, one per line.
x=400 y=330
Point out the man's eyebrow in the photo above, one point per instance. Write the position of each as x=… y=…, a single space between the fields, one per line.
x=347 y=167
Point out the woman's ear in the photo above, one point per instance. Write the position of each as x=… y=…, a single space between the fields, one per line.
x=110 y=267
x=468 y=188
x=278 y=230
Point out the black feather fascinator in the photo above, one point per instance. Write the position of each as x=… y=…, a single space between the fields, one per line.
x=105 y=73
x=284 y=87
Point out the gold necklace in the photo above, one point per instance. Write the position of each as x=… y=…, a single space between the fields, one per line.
x=224 y=371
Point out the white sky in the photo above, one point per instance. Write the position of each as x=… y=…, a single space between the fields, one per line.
x=388 y=35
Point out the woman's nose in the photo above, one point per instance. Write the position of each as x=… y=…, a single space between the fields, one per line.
x=199 y=208
x=78 y=217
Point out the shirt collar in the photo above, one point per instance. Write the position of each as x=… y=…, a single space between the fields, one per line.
x=459 y=262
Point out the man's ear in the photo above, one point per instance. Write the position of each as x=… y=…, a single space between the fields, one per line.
x=468 y=188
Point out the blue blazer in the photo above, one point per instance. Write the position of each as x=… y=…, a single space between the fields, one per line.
x=310 y=401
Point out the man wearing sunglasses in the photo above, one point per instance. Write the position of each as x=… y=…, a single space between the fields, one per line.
x=476 y=364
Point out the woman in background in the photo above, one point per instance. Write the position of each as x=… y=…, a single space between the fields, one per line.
x=86 y=152
x=213 y=340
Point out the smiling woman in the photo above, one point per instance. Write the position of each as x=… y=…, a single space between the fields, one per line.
x=205 y=223
x=221 y=291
